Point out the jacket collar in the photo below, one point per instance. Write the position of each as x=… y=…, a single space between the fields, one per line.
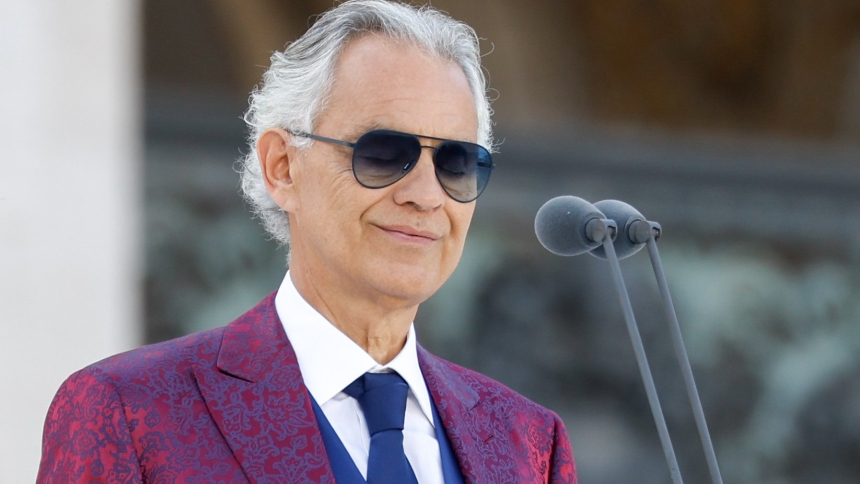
x=464 y=418
x=256 y=396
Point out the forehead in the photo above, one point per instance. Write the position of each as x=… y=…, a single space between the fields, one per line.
x=383 y=83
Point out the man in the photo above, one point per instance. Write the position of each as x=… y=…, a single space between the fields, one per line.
x=369 y=147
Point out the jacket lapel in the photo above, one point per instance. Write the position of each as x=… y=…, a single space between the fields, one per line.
x=259 y=402
x=468 y=426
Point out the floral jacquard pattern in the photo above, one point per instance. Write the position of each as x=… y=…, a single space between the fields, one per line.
x=229 y=406
x=498 y=435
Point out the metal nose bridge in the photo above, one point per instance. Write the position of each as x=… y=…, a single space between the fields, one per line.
x=408 y=166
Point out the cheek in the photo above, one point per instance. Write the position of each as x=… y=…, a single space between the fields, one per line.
x=343 y=208
x=329 y=191
x=338 y=200
x=461 y=218
x=322 y=208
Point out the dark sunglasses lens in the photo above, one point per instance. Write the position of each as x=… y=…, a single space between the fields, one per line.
x=381 y=158
x=463 y=169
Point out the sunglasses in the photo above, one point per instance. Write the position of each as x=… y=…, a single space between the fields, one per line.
x=382 y=157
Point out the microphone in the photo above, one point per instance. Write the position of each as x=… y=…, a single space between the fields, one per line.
x=634 y=233
x=570 y=226
x=625 y=217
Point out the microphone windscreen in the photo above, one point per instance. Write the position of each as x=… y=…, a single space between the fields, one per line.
x=623 y=215
x=560 y=225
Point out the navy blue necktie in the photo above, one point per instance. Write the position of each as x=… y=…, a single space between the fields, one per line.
x=382 y=397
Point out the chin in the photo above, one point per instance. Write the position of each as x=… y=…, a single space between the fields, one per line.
x=415 y=285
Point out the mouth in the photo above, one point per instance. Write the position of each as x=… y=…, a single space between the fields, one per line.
x=410 y=234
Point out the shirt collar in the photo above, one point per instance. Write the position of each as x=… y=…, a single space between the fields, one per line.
x=329 y=360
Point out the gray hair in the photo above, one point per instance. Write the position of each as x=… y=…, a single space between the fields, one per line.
x=295 y=87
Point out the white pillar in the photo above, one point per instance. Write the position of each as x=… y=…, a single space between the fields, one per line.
x=70 y=203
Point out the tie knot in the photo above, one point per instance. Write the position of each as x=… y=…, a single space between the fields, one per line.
x=382 y=397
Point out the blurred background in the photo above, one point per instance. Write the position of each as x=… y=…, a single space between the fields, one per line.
x=734 y=123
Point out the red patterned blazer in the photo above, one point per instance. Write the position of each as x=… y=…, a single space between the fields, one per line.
x=229 y=406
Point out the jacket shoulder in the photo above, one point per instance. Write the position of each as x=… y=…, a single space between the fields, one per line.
x=110 y=417
x=172 y=355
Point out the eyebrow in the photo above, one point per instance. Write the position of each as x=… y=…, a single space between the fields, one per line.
x=358 y=132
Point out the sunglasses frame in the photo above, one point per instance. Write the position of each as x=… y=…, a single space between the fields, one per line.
x=418 y=137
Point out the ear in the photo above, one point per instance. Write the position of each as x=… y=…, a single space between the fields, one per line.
x=277 y=157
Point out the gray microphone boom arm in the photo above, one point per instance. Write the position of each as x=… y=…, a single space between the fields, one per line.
x=637 y=232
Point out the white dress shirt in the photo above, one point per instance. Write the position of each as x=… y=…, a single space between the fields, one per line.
x=329 y=361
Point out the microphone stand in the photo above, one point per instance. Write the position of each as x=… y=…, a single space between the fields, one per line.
x=608 y=229
x=649 y=232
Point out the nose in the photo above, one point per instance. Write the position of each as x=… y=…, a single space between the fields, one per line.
x=420 y=187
